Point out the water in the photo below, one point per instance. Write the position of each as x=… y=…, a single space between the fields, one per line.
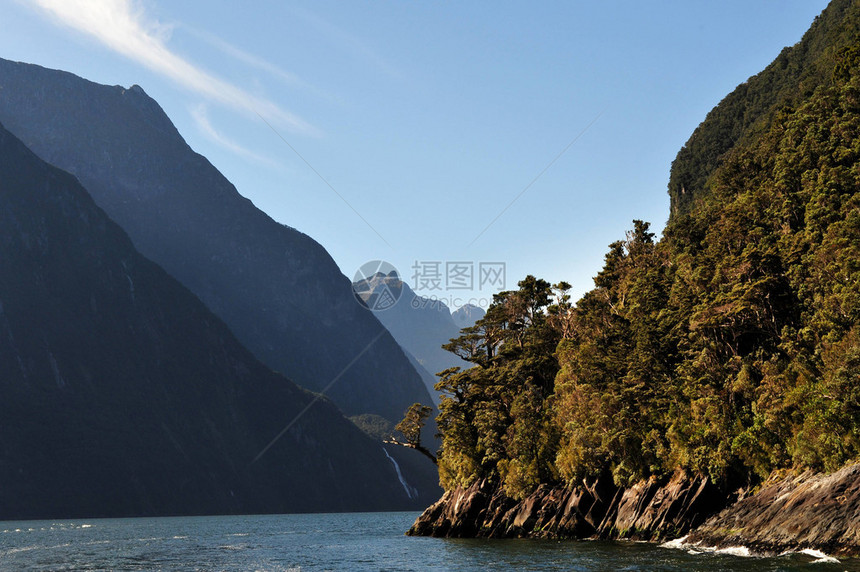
x=368 y=541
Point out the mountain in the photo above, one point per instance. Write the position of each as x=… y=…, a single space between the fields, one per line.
x=428 y=378
x=420 y=325
x=465 y=316
x=745 y=113
x=277 y=289
x=121 y=394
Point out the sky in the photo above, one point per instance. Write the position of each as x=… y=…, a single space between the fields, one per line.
x=467 y=143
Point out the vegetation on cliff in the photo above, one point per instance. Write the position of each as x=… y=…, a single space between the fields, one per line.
x=746 y=112
x=730 y=347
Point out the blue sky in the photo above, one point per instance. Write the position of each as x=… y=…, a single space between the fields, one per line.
x=429 y=131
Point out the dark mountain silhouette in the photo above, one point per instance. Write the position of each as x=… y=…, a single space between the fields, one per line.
x=277 y=289
x=122 y=394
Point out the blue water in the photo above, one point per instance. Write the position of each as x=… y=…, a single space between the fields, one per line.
x=367 y=541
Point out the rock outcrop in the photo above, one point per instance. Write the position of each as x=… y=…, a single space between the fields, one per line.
x=789 y=513
x=792 y=513
x=653 y=509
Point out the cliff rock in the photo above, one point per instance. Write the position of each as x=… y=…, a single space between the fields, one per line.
x=789 y=514
x=653 y=509
x=793 y=513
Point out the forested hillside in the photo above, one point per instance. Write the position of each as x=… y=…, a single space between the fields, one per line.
x=746 y=112
x=730 y=347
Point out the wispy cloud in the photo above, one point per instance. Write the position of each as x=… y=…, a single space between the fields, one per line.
x=124 y=27
x=254 y=61
x=350 y=43
x=246 y=57
x=200 y=114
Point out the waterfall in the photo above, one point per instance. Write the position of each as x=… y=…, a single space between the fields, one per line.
x=412 y=492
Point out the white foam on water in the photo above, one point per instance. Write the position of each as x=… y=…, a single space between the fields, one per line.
x=744 y=552
x=19 y=549
x=735 y=551
x=677 y=543
x=695 y=549
x=819 y=556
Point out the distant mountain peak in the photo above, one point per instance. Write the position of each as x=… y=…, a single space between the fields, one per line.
x=420 y=325
x=466 y=315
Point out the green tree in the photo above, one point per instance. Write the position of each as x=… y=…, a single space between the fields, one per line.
x=410 y=427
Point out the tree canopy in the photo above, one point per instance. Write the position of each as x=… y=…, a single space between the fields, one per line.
x=730 y=347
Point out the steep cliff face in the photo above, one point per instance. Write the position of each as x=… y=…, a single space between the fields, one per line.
x=276 y=288
x=793 y=513
x=121 y=394
x=651 y=510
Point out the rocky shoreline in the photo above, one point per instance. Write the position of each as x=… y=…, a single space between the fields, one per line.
x=793 y=513
x=789 y=513
x=655 y=509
